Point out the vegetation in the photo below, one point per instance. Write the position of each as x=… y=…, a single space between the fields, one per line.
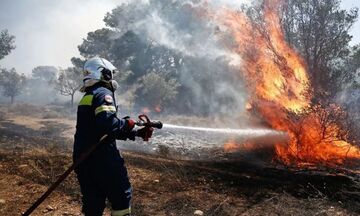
x=320 y=31
x=45 y=73
x=171 y=61
x=6 y=43
x=167 y=67
x=156 y=91
x=68 y=82
x=12 y=83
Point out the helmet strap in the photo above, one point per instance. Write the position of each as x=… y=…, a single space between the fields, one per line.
x=106 y=74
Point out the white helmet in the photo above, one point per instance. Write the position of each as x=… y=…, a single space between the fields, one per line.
x=97 y=69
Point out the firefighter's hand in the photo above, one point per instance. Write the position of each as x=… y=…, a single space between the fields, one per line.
x=145 y=133
x=129 y=124
x=126 y=130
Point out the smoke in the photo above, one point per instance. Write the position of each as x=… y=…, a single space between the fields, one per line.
x=349 y=99
x=208 y=68
x=178 y=25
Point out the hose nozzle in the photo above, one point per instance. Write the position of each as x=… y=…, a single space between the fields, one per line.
x=144 y=121
x=154 y=124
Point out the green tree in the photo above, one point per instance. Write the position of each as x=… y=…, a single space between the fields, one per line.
x=98 y=43
x=12 y=83
x=130 y=46
x=320 y=31
x=68 y=82
x=6 y=43
x=42 y=78
x=156 y=91
x=355 y=65
x=128 y=49
x=45 y=73
x=78 y=63
x=345 y=71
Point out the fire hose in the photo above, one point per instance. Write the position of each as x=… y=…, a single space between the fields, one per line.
x=143 y=121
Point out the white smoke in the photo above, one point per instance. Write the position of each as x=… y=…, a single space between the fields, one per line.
x=194 y=39
x=181 y=26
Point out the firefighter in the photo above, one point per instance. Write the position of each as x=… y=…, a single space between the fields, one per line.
x=103 y=174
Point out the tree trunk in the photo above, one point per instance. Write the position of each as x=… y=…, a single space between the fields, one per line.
x=72 y=101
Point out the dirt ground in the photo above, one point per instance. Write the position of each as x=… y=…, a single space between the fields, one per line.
x=36 y=149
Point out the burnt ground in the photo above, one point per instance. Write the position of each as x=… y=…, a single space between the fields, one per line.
x=30 y=159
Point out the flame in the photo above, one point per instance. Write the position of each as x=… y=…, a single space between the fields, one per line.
x=280 y=89
x=248 y=106
x=158 y=109
x=233 y=146
x=145 y=110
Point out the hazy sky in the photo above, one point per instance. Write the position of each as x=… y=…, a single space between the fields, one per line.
x=48 y=32
x=355 y=31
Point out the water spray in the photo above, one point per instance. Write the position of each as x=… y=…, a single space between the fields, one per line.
x=238 y=132
x=205 y=143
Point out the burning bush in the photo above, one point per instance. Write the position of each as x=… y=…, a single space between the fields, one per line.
x=281 y=92
x=318 y=136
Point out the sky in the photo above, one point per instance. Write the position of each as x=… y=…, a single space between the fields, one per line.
x=48 y=32
x=355 y=31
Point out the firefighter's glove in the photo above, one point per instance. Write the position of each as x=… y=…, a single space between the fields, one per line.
x=125 y=130
x=145 y=133
x=129 y=123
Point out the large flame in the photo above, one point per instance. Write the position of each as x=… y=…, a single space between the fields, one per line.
x=280 y=89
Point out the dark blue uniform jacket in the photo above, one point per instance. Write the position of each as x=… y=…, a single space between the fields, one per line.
x=96 y=117
x=103 y=174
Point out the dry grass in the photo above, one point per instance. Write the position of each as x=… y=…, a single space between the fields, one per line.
x=31 y=159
